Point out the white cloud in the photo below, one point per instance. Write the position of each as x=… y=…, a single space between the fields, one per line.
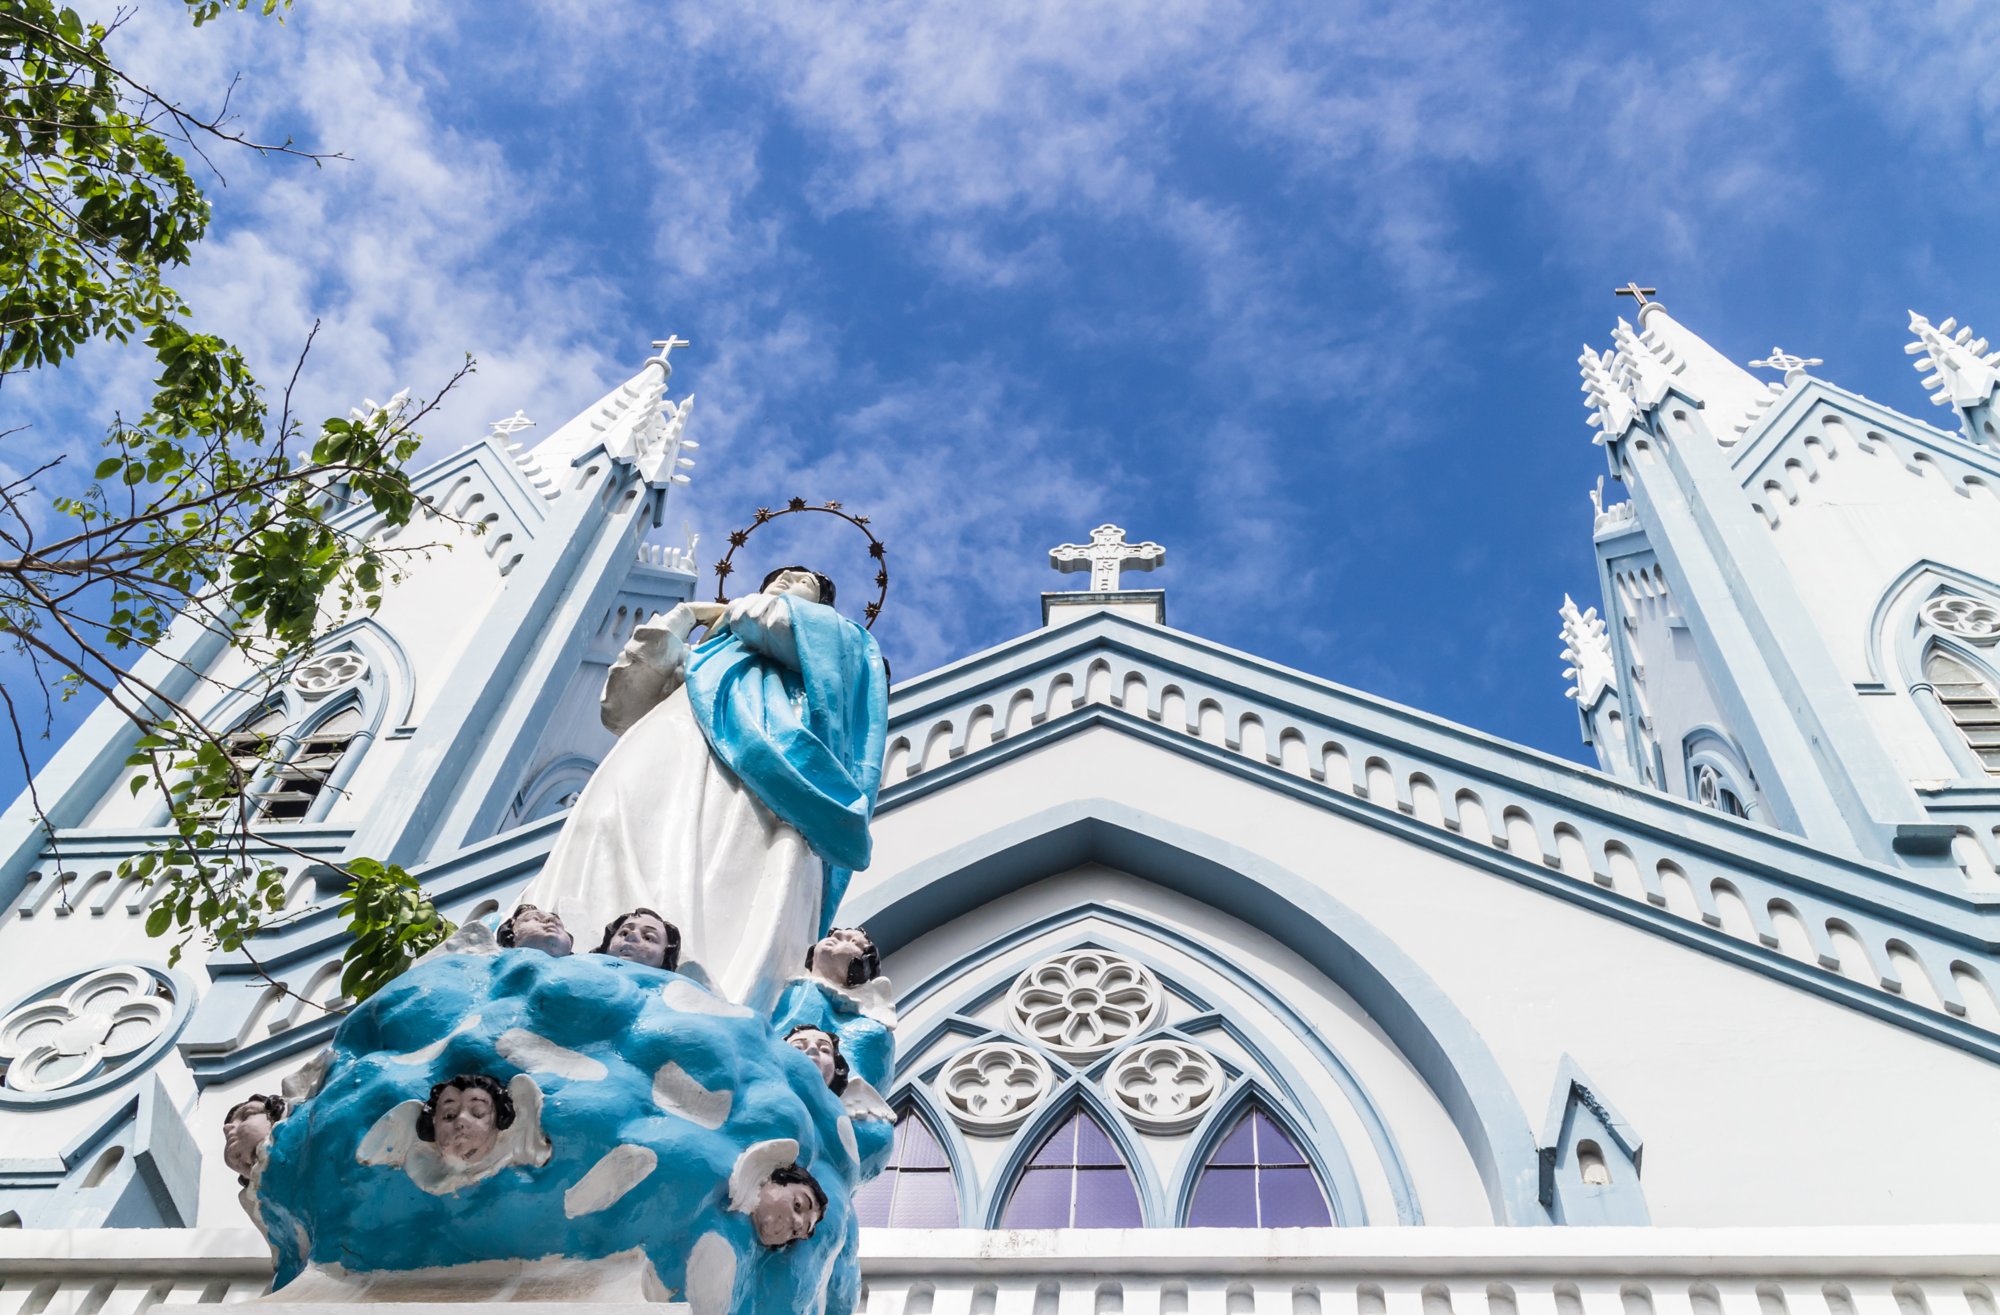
x=1932 y=66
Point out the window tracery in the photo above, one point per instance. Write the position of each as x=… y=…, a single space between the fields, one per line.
x=1084 y=1003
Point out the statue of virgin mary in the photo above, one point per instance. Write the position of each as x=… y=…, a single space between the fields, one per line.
x=738 y=797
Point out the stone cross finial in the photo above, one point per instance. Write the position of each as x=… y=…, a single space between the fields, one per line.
x=512 y=425
x=1794 y=367
x=1105 y=556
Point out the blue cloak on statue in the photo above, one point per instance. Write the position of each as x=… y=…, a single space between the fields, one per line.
x=808 y=742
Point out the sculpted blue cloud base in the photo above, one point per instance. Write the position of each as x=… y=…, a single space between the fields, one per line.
x=632 y=1063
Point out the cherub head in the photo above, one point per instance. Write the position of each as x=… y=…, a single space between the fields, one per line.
x=789 y=1206
x=246 y=1127
x=823 y=1049
x=642 y=936
x=530 y=928
x=845 y=956
x=465 y=1116
x=799 y=582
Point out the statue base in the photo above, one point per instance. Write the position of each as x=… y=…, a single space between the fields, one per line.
x=624 y=1284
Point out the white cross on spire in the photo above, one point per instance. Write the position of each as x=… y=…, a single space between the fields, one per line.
x=1105 y=556
x=666 y=346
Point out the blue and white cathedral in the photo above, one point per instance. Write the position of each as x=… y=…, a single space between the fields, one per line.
x=1220 y=987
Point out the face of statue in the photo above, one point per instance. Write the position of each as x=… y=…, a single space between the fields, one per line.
x=799 y=584
x=467 y=1124
x=641 y=938
x=785 y=1213
x=538 y=929
x=816 y=1046
x=247 y=1127
x=835 y=954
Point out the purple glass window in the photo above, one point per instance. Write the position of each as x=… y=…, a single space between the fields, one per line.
x=914 y=1190
x=1076 y=1179
x=1258 y=1178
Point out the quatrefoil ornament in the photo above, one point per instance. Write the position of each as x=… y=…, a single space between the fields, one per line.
x=1165 y=1086
x=1968 y=618
x=94 y=1025
x=991 y=1088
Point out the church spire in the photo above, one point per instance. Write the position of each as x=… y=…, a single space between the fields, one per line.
x=1629 y=381
x=635 y=423
x=1960 y=373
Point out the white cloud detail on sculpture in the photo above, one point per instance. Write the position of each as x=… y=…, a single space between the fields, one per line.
x=711 y=1275
x=680 y=1095
x=427 y=1053
x=605 y=1183
x=536 y=1054
x=685 y=996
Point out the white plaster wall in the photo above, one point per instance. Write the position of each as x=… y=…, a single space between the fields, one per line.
x=1862 y=518
x=1759 y=1103
x=1436 y=1163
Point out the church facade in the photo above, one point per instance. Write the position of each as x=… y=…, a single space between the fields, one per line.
x=1320 y=1002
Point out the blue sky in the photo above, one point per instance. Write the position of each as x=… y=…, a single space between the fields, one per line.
x=1295 y=290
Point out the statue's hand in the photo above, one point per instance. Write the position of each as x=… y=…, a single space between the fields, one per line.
x=657 y=642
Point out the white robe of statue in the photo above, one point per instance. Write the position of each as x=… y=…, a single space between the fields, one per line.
x=664 y=825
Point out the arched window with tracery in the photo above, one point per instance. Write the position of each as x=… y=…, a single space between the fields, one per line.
x=915 y=1189
x=1970 y=703
x=1256 y=1177
x=294 y=786
x=1076 y=1179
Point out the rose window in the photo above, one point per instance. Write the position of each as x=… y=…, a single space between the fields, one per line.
x=88 y=1028
x=1968 y=618
x=329 y=672
x=992 y=1087
x=1165 y=1085
x=1083 y=1003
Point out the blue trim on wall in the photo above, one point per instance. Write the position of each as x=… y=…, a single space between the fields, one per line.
x=1416 y=1014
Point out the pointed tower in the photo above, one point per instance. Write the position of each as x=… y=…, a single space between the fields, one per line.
x=1802 y=596
x=514 y=731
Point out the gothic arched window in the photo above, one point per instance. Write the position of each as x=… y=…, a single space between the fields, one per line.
x=915 y=1189
x=1076 y=1179
x=1970 y=703
x=295 y=785
x=1256 y=1177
